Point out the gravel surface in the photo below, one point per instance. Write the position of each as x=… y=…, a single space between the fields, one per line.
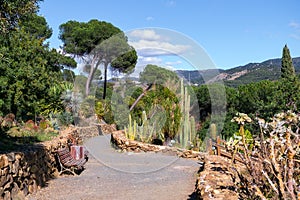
x=113 y=175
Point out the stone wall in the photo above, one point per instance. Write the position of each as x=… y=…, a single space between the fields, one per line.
x=27 y=169
x=217 y=180
x=81 y=134
x=24 y=172
x=119 y=139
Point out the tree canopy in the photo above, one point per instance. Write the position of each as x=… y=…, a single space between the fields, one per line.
x=12 y=11
x=98 y=43
x=36 y=26
x=287 y=67
x=157 y=75
x=29 y=69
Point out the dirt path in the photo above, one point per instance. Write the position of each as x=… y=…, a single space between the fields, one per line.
x=113 y=175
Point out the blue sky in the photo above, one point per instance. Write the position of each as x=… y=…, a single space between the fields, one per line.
x=231 y=32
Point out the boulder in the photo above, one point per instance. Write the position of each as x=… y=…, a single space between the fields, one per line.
x=3 y=161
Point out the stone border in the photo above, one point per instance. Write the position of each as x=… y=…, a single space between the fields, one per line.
x=217 y=179
x=119 y=139
x=24 y=171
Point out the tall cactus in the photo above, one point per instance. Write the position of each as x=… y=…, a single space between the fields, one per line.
x=144 y=132
x=130 y=131
x=213 y=131
x=187 y=131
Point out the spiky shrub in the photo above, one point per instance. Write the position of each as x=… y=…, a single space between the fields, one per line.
x=130 y=131
x=272 y=165
x=148 y=130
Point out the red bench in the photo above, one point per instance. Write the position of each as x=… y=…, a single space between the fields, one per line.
x=68 y=163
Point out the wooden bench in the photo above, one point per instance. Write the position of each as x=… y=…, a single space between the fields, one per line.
x=68 y=163
x=218 y=148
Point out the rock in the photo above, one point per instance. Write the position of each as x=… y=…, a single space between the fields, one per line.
x=4 y=180
x=3 y=161
x=15 y=167
x=34 y=169
x=216 y=191
x=215 y=175
x=7 y=195
x=24 y=188
x=1 y=191
x=14 y=191
x=19 y=156
x=32 y=188
x=11 y=157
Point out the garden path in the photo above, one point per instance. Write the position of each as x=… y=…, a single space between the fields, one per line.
x=110 y=174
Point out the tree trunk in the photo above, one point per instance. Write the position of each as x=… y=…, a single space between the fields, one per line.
x=141 y=95
x=105 y=80
x=94 y=67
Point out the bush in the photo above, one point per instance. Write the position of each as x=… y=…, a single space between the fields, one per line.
x=272 y=164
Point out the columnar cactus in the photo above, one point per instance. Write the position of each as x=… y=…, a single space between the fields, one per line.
x=188 y=129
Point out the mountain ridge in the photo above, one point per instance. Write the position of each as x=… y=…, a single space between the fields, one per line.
x=251 y=72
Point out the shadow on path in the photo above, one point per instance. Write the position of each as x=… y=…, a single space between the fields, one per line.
x=113 y=175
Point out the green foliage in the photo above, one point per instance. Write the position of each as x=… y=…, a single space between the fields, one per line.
x=130 y=131
x=13 y=134
x=27 y=75
x=36 y=26
x=169 y=104
x=65 y=118
x=100 y=109
x=68 y=75
x=126 y=62
x=12 y=11
x=29 y=69
x=148 y=130
x=87 y=107
x=157 y=75
x=44 y=124
x=80 y=38
x=101 y=43
x=287 y=67
x=31 y=133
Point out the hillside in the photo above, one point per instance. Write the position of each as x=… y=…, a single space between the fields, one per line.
x=252 y=72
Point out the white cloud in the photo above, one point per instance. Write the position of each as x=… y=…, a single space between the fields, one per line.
x=145 y=34
x=147 y=42
x=178 y=62
x=170 y=3
x=156 y=48
x=170 y=67
x=294 y=25
x=149 y=18
x=149 y=60
x=295 y=36
x=296 y=30
x=153 y=45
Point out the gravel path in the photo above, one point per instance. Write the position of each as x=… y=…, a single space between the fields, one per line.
x=113 y=175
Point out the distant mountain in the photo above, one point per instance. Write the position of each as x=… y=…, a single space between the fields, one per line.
x=252 y=72
x=199 y=76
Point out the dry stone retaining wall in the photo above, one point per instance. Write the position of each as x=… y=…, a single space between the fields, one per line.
x=24 y=172
x=27 y=169
x=119 y=139
x=217 y=180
